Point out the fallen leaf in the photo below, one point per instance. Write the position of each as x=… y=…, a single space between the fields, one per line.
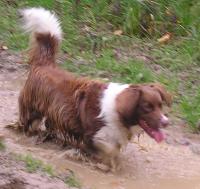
x=168 y=12
x=4 y=47
x=118 y=32
x=165 y=38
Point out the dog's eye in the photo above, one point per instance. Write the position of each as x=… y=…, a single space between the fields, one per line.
x=148 y=107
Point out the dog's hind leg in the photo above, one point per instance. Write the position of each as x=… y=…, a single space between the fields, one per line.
x=49 y=132
x=24 y=113
x=34 y=123
x=29 y=119
x=30 y=122
x=27 y=115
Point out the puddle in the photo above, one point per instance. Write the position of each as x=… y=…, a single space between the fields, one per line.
x=92 y=178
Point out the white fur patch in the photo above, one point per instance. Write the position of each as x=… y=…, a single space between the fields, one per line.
x=108 y=104
x=113 y=134
x=39 y=20
x=164 y=119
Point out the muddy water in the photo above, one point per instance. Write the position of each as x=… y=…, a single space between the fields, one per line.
x=145 y=163
x=141 y=175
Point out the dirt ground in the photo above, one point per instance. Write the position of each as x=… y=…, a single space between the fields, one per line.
x=174 y=163
x=13 y=175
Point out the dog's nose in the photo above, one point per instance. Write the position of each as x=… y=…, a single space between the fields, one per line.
x=164 y=121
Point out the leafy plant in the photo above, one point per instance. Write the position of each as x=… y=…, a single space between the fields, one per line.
x=132 y=20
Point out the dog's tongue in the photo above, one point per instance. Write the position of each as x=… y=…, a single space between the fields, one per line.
x=156 y=134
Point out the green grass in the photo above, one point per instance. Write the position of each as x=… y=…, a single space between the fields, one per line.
x=178 y=56
x=131 y=71
x=32 y=164
x=191 y=110
x=2 y=145
x=72 y=181
x=90 y=43
x=105 y=66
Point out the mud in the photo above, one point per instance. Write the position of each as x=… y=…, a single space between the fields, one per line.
x=146 y=164
x=13 y=175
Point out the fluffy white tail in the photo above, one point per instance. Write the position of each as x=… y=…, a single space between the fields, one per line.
x=46 y=35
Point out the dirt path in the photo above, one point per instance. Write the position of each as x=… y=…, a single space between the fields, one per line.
x=172 y=164
x=13 y=175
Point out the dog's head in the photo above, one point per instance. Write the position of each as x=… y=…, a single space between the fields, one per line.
x=142 y=105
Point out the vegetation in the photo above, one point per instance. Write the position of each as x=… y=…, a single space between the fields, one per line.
x=33 y=164
x=2 y=145
x=72 y=181
x=125 y=41
x=191 y=110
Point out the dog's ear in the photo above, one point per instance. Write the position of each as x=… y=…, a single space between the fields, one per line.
x=166 y=96
x=126 y=103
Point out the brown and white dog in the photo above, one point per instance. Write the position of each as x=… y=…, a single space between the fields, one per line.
x=99 y=115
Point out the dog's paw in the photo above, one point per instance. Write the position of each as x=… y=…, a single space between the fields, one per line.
x=15 y=126
x=103 y=167
x=75 y=154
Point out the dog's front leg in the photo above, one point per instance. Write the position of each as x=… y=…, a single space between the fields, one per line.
x=115 y=163
x=109 y=153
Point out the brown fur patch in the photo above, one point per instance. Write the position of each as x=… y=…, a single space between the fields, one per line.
x=70 y=104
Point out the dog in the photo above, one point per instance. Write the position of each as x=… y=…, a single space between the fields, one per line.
x=98 y=115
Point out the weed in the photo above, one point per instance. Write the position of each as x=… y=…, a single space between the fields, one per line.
x=72 y=181
x=48 y=169
x=33 y=164
x=131 y=71
x=2 y=145
x=191 y=110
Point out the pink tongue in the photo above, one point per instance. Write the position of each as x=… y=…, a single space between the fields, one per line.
x=158 y=136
